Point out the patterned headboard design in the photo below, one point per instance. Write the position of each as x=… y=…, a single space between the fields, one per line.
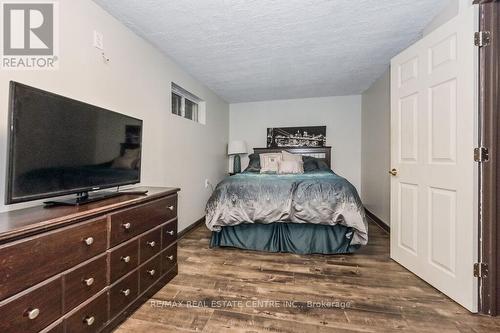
x=321 y=153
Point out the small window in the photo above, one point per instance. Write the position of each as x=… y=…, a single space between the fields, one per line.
x=187 y=105
x=176 y=104
x=191 y=110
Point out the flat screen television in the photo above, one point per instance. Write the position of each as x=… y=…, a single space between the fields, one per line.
x=59 y=146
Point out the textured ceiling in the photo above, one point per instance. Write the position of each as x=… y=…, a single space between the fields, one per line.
x=252 y=50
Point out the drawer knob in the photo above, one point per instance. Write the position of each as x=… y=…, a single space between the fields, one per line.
x=89 y=320
x=171 y=258
x=125 y=292
x=170 y=232
x=33 y=313
x=88 y=282
x=171 y=208
x=126 y=226
x=152 y=243
x=125 y=259
x=151 y=272
x=89 y=241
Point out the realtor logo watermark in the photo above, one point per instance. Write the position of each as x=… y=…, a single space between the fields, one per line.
x=30 y=35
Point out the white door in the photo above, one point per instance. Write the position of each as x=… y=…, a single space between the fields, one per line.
x=433 y=134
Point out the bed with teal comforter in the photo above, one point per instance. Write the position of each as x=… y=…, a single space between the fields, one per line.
x=314 y=212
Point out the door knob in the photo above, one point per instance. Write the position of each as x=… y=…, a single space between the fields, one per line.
x=394 y=172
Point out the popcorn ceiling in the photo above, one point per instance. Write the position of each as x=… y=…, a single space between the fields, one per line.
x=254 y=50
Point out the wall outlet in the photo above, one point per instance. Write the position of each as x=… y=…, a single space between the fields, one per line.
x=98 y=40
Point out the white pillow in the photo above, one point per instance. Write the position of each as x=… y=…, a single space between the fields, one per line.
x=291 y=157
x=290 y=167
x=269 y=162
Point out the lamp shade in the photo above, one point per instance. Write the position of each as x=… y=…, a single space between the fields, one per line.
x=237 y=147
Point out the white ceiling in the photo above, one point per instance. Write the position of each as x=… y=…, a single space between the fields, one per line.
x=252 y=50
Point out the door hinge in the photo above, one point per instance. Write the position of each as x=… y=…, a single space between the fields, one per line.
x=480 y=269
x=481 y=154
x=482 y=38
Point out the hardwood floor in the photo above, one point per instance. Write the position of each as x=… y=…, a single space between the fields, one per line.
x=367 y=292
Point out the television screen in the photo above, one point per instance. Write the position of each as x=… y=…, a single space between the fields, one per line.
x=60 y=146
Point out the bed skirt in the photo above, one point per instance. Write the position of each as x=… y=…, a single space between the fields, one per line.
x=286 y=237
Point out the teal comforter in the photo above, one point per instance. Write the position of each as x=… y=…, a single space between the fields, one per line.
x=319 y=197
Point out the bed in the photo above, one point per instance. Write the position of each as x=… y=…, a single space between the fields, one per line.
x=314 y=212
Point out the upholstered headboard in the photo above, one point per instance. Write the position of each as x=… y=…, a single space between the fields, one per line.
x=321 y=153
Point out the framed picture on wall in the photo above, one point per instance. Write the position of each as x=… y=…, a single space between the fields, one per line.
x=305 y=136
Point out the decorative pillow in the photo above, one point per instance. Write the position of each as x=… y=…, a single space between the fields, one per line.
x=290 y=167
x=309 y=163
x=322 y=166
x=254 y=163
x=313 y=164
x=269 y=162
x=291 y=157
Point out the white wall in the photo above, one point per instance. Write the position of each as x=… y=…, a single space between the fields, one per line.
x=449 y=12
x=137 y=81
x=341 y=115
x=376 y=147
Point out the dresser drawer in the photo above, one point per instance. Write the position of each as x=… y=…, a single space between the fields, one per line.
x=123 y=293
x=149 y=273
x=90 y=318
x=169 y=258
x=169 y=234
x=171 y=205
x=123 y=259
x=149 y=245
x=134 y=221
x=33 y=311
x=37 y=258
x=84 y=282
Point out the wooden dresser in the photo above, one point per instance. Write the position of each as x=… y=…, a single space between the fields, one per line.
x=85 y=269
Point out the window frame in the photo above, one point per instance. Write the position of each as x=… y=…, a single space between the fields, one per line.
x=196 y=103
x=180 y=111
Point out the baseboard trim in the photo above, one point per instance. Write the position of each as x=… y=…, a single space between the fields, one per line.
x=193 y=226
x=378 y=221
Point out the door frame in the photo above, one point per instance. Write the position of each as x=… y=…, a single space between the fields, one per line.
x=489 y=109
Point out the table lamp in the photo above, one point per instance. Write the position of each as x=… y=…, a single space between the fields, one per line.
x=236 y=148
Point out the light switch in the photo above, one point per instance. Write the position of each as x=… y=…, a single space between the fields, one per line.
x=98 y=40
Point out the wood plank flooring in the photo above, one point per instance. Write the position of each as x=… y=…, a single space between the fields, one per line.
x=231 y=290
